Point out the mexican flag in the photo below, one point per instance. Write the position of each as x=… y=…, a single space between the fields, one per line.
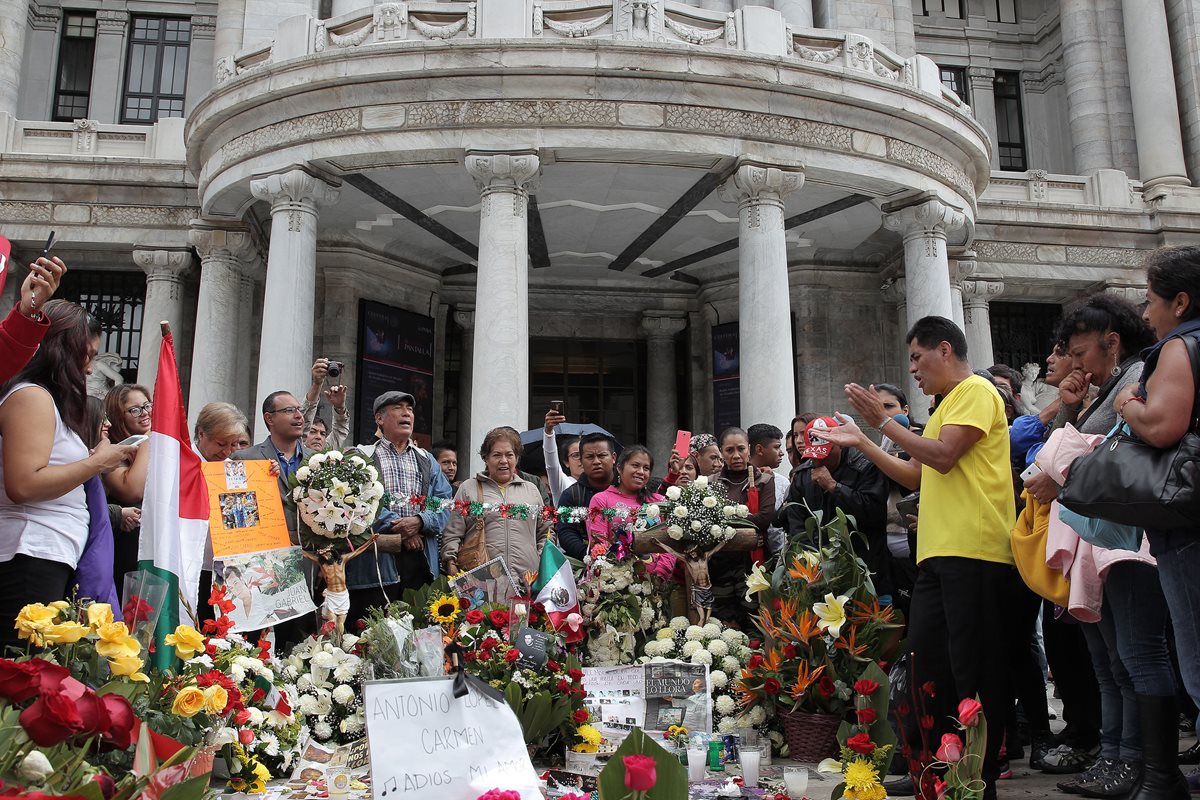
x=175 y=504
x=556 y=591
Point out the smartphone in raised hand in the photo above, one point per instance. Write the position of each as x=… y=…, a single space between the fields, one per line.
x=683 y=442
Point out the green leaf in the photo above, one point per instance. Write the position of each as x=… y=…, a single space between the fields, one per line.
x=191 y=789
x=127 y=690
x=672 y=776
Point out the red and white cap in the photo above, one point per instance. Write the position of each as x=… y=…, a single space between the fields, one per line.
x=814 y=445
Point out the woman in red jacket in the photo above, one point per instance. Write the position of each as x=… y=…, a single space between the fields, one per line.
x=22 y=331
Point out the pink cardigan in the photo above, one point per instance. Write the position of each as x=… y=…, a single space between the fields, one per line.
x=600 y=530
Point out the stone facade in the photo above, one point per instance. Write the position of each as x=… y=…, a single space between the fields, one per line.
x=613 y=170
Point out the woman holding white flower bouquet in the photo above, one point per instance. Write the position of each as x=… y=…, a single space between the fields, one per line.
x=614 y=512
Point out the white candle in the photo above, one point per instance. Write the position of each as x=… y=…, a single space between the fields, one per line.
x=749 y=757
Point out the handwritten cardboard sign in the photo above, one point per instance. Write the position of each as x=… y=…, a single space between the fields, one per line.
x=427 y=745
x=245 y=509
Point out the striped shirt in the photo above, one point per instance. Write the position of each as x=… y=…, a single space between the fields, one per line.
x=400 y=473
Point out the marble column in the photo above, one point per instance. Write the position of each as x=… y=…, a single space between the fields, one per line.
x=218 y=355
x=982 y=81
x=895 y=292
x=14 y=16
x=500 y=379
x=768 y=371
x=253 y=271
x=464 y=316
x=977 y=293
x=662 y=410
x=108 y=75
x=1087 y=103
x=164 y=303
x=286 y=344
x=924 y=225
x=231 y=21
x=1152 y=87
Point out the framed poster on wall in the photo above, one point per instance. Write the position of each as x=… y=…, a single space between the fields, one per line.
x=395 y=352
x=726 y=372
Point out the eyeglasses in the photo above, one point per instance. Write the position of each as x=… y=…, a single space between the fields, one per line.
x=139 y=411
x=286 y=410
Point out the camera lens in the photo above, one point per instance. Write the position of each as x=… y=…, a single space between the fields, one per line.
x=335 y=369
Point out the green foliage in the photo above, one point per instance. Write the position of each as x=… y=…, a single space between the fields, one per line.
x=672 y=776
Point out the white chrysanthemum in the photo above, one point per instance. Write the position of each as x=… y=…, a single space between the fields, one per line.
x=307 y=705
x=679 y=623
x=304 y=682
x=343 y=695
x=702 y=657
x=731 y=665
x=665 y=633
x=758 y=715
x=734 y=637
x=712 y=630
x=667 y=646
x=724 y=705
x=651 y=648
x=324 y=660
x=718 y=679
x=693 y=633
x=322 y=730
x=718 y=648
x=691 y=648
x=727 y=725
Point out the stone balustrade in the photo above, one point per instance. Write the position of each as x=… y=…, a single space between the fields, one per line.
x=1106 y=188
x=162 y=141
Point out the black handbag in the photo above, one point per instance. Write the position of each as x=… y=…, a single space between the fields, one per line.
x=1127 y=481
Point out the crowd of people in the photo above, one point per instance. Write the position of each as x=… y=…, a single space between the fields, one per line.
x=939 y=508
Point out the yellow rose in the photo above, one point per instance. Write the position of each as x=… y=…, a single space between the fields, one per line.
x=33 y=619
x=186 y=640
x=115 y=641
x=99 y=614
x=65 y=633
x=59 y=605
x=215 y=699
x=189 y=702
x=130 y=667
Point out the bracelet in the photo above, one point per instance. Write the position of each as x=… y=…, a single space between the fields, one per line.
x=1127 y=401
x=883 y=424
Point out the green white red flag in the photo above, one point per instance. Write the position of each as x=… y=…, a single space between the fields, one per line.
x=555 y=588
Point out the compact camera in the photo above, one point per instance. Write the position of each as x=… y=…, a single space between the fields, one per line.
x=335 y=368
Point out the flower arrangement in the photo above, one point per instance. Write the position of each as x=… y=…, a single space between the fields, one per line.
x=866 y=742
x=337 y=496
x=621 y=600
x=327 y=678
x=700 y=515
x=960 y=759
x=822 y=626
x=642 y=770
x=726 y=651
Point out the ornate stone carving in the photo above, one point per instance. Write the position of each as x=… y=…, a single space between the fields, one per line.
x=44 y=18
x=204 y=27
x=144 y=216
x=223 y=70
x=893 y=291
x=662 y=326
x=295 y=192
x=111 y=21
x=640 y=21
x=85 y=131
x=693 y=35
x=311 y=126
x=755 y=185
x=757 y=125
x=429 y=31
x=860 y=53
x=1038 y=187
x=468 y=113
x=1006 y=251
x=819 y=56
x=17 y=211
x=577 y=30
x=464 y=317
x=982 y=78
x=980 y=291
x=164 y=271
x=504 y=172
x=227 y=244
x=929 y=219
x=928 y=161
x=1134 y=294
x=1107 y=256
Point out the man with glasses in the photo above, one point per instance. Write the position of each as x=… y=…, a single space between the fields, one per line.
x=596 y=451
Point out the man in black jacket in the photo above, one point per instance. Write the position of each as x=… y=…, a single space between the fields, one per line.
x=830 y=478
x=598 y=455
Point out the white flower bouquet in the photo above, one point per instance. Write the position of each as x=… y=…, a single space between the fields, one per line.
x=700 y=515
x=328 y=679
x=621 y=603
x=337 y=496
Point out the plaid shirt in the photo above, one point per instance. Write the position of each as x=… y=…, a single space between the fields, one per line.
x=401 y=475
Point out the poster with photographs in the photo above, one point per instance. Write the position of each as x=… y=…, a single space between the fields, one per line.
x=652 y=697
x=266 y=588
x=245 y=509
x=490 y=582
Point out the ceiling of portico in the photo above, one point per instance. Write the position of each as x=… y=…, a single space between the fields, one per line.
x=603 y=215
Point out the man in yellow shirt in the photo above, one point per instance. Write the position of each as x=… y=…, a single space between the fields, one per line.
x=958 y=620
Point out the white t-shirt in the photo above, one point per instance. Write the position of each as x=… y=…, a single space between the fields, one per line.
x=54 y=530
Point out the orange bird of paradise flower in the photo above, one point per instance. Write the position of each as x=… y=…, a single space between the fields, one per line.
x=805 y=677
x=809 y=573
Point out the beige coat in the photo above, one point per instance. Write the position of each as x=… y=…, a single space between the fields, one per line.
x=519 y=541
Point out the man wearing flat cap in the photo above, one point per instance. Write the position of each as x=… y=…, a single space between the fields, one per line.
x=406 y=554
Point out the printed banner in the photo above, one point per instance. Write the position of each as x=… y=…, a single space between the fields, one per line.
x=266 y=588
x=245 y=510
x=395 y=352
x=726 y=372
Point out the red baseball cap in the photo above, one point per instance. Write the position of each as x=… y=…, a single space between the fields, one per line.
x=814 y=445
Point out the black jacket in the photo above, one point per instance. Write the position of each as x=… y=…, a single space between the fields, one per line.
x=572 y=536
x=861 y=492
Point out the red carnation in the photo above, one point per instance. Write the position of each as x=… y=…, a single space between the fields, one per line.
x=865 y=687
x=564 y=685
x=512 y=655
x=861 y=743
x=771 y=686
x=499 y=618
x=866 y=716
x=576 y=674
x=474 y=616
x=581 y=716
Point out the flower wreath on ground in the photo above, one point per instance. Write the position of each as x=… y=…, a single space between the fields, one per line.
x=328 y=680
x=725 y=651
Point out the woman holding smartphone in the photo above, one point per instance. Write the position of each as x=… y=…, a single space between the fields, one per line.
x=44 y=515
x=128 y=409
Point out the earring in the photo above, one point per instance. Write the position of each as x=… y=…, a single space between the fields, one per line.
x=1116 y=370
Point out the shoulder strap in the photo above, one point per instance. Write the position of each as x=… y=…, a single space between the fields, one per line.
x=1193 y=347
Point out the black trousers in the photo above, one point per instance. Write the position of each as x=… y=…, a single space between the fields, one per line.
x=1021 y=611
x=958 y=635
x=1074 y=677
x=24 y=580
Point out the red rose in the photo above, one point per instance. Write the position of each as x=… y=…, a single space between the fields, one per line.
x=120 y=721
x=474 y=616
x=928 y=689
x=789 y=651
x=866 y=716
x=825 y=686
x=19 y=680
x=951 y=749
x=755 y=662
x=136 y=610
x=50 y=676
x=245 y=736
x=488 y=644
x=361 y=624
x=771 y=686
x=564 y=685
x=484 y=655
x=903 y=709
x=865 y=686
x=581 y=716
x=861 y=743
x=968 y=711
x=576 y=674
x=640 y=773
x=241 y=717
x=464 y=603
x=51 y=719
x=552 y=665
x=512 y=655
x=469 y=655
x=499 y=618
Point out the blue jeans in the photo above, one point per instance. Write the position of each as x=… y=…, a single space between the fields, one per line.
x=1178 y=573
x=1134 y=599
x=1120 y=732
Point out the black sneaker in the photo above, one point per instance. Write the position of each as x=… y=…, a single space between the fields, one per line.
x=1099 y=767
x=1118 y=782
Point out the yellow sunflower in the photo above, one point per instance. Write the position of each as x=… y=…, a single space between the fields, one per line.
x=444 y=610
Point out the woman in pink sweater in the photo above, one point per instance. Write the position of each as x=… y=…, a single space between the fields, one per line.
x=634 y=467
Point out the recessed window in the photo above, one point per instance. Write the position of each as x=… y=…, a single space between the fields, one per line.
x=1001 y=10
x=76 y=53
x=156 y=71
x=117 y=300
x=1010 y=123
x=955 y=79
x=947 y=8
